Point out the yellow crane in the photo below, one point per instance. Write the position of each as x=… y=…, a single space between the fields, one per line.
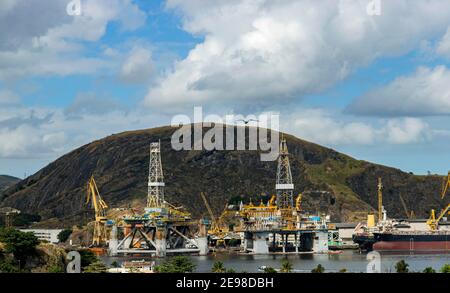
x=99 y=205
x=218 y=228
x=409 y=214
x=272 y=201
x=298 y=202
x=380 y=200
x=433 y=221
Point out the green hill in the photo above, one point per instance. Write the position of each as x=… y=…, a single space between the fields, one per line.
x=332 y=182
x=7 y=181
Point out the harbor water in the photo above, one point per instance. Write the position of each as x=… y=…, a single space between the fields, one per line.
x=350 y=260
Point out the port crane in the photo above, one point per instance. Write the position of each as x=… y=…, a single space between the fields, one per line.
x=433 y=221
x=218 y=228
x=93 y=196
x=409 y=214
x=298 y=202
x=380 y=200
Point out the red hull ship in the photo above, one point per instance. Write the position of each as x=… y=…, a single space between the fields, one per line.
x=413 y=241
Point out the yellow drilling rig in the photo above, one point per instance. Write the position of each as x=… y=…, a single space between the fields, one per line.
x=99 y=205
x=433 y=221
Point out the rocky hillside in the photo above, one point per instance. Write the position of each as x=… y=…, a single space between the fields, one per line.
x=7 y=181
x=332 y=182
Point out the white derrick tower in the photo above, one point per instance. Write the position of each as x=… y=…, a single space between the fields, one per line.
x=284 y=185
x=155 y=197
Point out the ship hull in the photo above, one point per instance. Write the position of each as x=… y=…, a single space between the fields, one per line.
x=364 y=241
x=413 y=242
x=428 y=246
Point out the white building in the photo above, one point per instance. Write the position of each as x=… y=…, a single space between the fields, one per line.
x=50 y=235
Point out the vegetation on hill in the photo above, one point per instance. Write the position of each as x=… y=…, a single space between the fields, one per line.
x=7 y=181
x=331 y=182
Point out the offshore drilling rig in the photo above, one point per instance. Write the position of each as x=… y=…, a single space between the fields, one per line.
x=279 y=225
x=162 y=229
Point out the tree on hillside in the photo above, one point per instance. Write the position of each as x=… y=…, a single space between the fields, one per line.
x=64 y=235
x=429 y=270
x=96 y=267
x=87 y=257
x=20 y=244
x=9 y=266
x=177 y=264
x=24 y=219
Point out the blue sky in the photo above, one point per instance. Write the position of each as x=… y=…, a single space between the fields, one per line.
x=376 y=87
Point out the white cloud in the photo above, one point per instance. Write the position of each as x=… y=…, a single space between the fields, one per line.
x=90 y=103
x=425 y=92
x=8 y=98
x=47 y=133
x=444 y=44
x=138 y=67
x=40 y=38
x=269 y=50
x=407 y=130
x=321 y=127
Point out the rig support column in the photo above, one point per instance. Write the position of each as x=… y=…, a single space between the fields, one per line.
x=260 y=243
x=320 y=242
x=113 y=242
x=202 y=240
x=160 y=241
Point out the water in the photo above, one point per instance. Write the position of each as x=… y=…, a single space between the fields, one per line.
x=352 y=261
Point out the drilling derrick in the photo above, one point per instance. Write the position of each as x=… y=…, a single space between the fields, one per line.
x=155 y=197
x=163 y=228
x=282 y=227
x=284 y=185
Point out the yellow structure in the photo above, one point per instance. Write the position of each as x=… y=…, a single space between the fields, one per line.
x=298 y=202
x=370 y=220
x=218 y=227
x=433 y=221
x=380 y=200
x=99 y=205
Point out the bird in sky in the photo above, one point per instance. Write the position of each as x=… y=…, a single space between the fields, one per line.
x=247 y=121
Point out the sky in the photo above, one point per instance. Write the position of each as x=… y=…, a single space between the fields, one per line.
x=368 y=78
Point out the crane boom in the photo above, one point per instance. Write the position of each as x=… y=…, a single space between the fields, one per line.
x=208 y=207
x=408 y=214
x=93 y=196
x=445 y=185
x=380 y=200
x=433 y=221
x=298 y=202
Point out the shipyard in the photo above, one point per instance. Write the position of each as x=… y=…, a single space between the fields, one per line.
x=277 y=225
x=198 y=145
